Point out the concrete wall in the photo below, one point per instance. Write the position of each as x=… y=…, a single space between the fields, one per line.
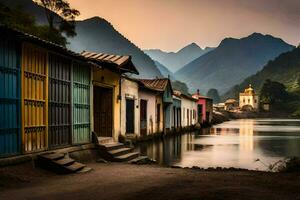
x=150 y=97
x=109 y=79
x=130 y=90
x=187 y=104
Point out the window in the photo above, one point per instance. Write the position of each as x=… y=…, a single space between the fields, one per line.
x=248 y=100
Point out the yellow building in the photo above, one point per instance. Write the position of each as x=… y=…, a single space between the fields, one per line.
x=249 y=99
x=106 y=93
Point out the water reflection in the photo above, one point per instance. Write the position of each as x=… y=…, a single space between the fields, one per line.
x=231 y=144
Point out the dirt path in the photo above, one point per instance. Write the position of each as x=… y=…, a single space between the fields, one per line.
x=122 y=181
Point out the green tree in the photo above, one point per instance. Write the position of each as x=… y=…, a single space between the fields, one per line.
x=273 y=92
x=214 y=95
x=61 y=19
x=16 y=18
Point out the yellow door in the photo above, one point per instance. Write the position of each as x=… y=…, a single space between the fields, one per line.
x=34 y=98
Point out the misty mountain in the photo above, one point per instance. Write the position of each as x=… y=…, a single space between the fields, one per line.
x=29 y=7
x=96 y=34
x=284 y=69
x=164 y=70
x=175 y=60
x=231 y=62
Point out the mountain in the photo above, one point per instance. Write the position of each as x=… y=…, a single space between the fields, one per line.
x=96 y=34
x=284 y=69
x=231 y=62
x=174 y=61
x=29 y=7
x=164 y=70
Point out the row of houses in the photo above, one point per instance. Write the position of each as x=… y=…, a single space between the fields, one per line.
x=53 y=98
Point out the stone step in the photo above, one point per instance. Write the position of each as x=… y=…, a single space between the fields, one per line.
x=84 y=170
x=126 y=157
x=119 y=152
x=141 y=160
x=76 y=166
x=52 y=156
x=105 y=140
x=64 y=161
x=113 y=146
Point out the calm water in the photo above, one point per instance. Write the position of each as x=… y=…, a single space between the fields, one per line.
x=231 y=144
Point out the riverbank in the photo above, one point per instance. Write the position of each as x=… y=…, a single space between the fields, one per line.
x=124 y=181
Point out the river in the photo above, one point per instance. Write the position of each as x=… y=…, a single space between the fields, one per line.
x=248 y=143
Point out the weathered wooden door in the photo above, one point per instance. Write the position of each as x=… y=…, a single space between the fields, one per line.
x=129 y=116
x=103 y=111
x=143 y=117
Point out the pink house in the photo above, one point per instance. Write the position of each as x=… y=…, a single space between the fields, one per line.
x=205 y=107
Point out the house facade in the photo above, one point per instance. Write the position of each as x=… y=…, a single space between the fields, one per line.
x=249 y=99
x=204 y=108
x=176 y=112
x=188 y=104
x=106 y=92
x=130 y=112
x=54 y=98
x=155 y=102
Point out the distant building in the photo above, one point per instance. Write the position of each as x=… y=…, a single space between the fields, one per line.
x=249 y=99
x=205 y=108
x=231 y=104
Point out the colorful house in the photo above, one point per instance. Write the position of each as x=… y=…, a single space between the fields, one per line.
x=106 y=92
x=188 y=110
x=39 y=95
x=205 y=108
x=53 y=98
x=155 y=105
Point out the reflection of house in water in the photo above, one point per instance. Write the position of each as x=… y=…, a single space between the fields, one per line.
x=246 y=135
x=164 y=151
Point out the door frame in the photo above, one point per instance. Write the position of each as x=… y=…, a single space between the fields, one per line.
x=134 y=117
x=140 y=127
x=107 y=86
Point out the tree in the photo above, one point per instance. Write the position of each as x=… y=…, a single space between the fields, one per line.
x=61 y=18
x=273 y=92
x=214 y=95
x=16 y=18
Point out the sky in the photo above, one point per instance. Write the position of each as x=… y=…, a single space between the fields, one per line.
x=170 y=25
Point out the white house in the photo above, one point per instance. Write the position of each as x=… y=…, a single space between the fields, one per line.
x=188 y=110
x=130 y=113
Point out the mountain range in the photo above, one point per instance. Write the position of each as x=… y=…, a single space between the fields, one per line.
x=96 y=34
x=284 y=69
x=231 y=62
x=164 y=70
x=175 y=60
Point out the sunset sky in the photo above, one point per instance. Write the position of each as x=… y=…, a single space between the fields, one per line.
x=171 y=24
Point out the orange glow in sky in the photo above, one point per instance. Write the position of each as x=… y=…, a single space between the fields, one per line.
x=172 y=24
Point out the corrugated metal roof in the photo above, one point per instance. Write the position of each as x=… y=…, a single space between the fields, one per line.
x=158 y=84
x=123 y=63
